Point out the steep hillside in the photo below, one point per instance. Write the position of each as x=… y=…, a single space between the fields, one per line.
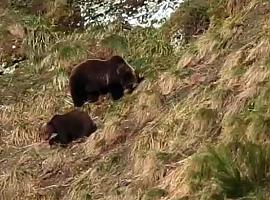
x=196 y=128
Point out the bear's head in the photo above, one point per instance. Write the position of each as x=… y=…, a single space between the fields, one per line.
x=129 y=77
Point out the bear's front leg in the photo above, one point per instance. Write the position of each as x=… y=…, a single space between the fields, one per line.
x=92 y=97
x=117 y=91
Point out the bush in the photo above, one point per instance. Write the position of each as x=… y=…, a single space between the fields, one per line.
x=236 y=169
x=191 y=19
x=194 y=17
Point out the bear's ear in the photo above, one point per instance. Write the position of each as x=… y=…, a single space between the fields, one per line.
x=140 y=79
x=120 y=68
x=123 y=68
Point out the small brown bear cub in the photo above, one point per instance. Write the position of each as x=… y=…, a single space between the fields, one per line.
x=93 y=77
x=63 y=129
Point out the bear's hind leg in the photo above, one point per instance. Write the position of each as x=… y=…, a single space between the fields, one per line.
x=117 y=91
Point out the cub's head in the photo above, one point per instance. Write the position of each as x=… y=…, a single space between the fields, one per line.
x=47 y=131
x=129 y=77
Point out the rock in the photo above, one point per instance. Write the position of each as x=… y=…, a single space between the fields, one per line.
x=16 y=30
x=167 y=83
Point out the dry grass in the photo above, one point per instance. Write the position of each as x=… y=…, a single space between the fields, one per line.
x=234 y=6
x=145 y=143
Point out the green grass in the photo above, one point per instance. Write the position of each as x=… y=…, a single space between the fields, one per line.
x=237 y=169
x=155 y=193
x=109 y=164
x=115 y=42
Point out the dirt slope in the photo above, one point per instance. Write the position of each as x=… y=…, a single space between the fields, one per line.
x=151 y=144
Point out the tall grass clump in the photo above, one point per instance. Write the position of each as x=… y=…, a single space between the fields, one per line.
x=194 y=18
x=64 y=54
x=190 y=19
x=235 y=170
x=146 y=49
x=149 y=50
x=39 y=38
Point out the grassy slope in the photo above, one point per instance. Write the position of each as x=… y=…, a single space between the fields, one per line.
x=214 y=92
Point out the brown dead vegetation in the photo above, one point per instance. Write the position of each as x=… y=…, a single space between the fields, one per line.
x=148 y=139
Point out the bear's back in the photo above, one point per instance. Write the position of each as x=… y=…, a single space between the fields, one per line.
x=93 y=66
x=93 y=73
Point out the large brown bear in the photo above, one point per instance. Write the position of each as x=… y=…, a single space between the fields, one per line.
x=63 y=129
x=94 y=77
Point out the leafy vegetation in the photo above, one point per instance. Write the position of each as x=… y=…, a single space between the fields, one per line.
x=236 y=170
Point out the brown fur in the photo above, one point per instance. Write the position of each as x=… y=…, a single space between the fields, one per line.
x=94 y=77
x=65 y=128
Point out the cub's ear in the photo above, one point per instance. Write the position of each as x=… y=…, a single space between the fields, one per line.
x=43 y=133
x=46 y=131
x=42 y=127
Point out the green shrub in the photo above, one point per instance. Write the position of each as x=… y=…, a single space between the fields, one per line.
x=236 y=169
